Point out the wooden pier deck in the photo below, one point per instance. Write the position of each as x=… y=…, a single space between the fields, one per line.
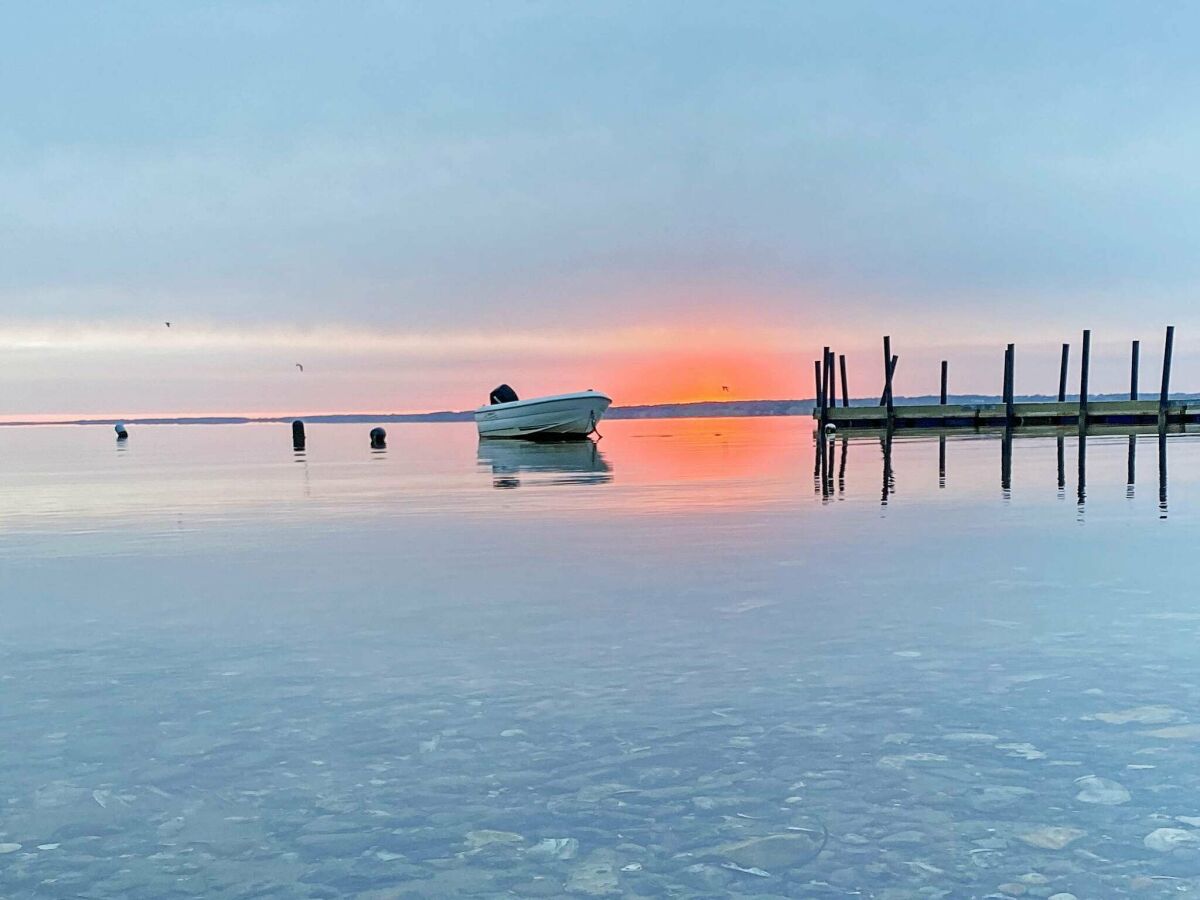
x=997 y=415
x=1080 y=412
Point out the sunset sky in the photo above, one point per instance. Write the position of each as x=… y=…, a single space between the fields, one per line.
x=418 y=201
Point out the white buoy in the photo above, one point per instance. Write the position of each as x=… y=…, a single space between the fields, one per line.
x=830 y=428
x=121 y=432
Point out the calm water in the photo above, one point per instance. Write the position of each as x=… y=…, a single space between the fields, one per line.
x=681 y=663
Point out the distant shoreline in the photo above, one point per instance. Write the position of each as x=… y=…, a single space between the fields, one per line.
x=702 y=410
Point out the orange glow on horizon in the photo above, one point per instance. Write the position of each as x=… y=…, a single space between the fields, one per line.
x=703 y=376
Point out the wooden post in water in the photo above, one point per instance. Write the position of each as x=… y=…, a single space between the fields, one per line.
x=1062 y=374
x=830 y=384
x=1133 y=371
x=818 y=402
x=1083 y=378
x=889 y=367
x=845 y=386
x=1165 y=390
x=887 y=390
x=1009 y=357
x=944 y=379
x=825 y=381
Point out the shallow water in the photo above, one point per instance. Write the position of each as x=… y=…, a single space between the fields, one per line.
x=697 y=659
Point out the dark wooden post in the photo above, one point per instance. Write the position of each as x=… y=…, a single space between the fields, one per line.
x=830 y=383
x=1165 y=391
x=1083 y=378
x=888 y=367
x=845 y=386
x=1009 y=359
x=1062 y=374
x=1133 y=371
x=891 y=371
x=825 y=381
x=944 y=374
x=818 y=400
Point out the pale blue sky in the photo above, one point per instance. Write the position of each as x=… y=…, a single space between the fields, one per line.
x=956 y=173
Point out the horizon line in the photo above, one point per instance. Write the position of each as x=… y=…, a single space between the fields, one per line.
x=769 y=407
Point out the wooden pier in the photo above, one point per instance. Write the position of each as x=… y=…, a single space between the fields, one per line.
x=1008 y=413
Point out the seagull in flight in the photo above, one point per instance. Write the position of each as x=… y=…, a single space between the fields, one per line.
x=725 y=388
x=168 y=324
x=300 y=367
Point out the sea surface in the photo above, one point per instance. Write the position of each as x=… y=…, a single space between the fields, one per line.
x=698 y=658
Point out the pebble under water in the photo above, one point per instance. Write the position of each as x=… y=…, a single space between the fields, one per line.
x=696 y=659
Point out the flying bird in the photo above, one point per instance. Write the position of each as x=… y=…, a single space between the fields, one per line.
x=300 y=367
x=168 y=324
x=725 y=388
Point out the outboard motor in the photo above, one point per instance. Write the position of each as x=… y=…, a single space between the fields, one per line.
x=503 y=394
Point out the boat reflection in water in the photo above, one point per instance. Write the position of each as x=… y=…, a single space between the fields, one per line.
x=829 y=462
x=560 y=462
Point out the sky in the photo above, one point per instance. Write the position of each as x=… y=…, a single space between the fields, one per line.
x=419 y=201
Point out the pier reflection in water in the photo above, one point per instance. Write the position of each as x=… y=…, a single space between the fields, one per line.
x=559 y=462
x=830 y=459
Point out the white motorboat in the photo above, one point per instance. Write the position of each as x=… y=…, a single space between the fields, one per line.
x=560 y=417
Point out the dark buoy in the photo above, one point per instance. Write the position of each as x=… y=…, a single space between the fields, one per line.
x=122 y=434
x=298 y=435
x=378 y=438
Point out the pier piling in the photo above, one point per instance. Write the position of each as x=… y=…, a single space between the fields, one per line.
x=824 y=382
x=944 y=379
x=1083 y=377
x=1062 y=374
x=845 y=384
x=884 y=396
x=889 y=368
x=1133 y=371
x=1009 y=355
x=1166 y=377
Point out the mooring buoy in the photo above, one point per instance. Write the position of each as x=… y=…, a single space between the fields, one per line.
x=298 y=435
x=378 y=438
x=122 y=434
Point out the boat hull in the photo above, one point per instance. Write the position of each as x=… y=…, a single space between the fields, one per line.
x=562 y=417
